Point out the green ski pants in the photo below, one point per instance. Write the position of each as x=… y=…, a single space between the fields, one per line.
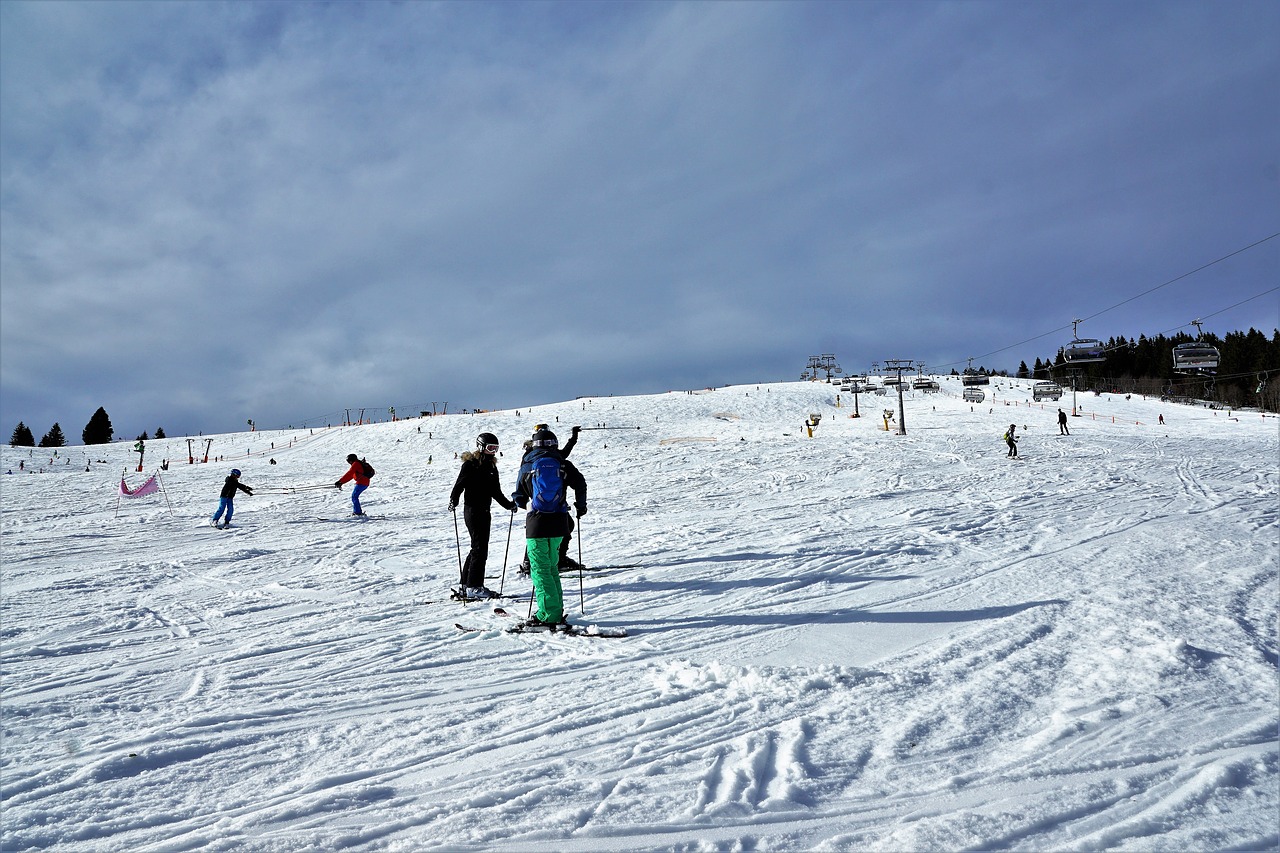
x=544 y=568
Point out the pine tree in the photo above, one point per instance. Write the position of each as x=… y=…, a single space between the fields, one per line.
x=22 y=436
x=1023 y=373
x=144 y=436
x=160 y=432
x=54 y=437
x=99 y=429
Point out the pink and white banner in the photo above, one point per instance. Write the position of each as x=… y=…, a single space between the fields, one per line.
x=147 y=488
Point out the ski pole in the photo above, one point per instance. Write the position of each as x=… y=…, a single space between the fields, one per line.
x=533 y=593
x=582 y=600
x=584 y=429
x=457 y=537
x=288 y=490
x=507 y=553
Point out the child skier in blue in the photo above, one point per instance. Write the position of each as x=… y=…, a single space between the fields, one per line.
x=227 y=503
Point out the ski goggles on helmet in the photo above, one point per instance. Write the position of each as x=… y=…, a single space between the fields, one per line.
x=546 y=442
x=491 y=448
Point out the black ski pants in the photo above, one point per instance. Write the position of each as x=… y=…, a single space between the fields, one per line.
x=479 y=520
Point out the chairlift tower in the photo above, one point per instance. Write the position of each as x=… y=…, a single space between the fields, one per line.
x=899 y=365
x=821 y=363
x=1074 y=373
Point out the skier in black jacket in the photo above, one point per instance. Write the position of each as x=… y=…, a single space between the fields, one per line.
x=478 y=486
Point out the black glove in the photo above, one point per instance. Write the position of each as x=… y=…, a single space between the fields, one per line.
x=338 y=485
x=575 y=430
x=582 y=510
x=452 y=506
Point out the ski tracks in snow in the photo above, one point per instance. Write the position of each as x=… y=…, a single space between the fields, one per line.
x=855 y=641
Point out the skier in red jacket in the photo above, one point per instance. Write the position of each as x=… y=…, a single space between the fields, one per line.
x=359 y=474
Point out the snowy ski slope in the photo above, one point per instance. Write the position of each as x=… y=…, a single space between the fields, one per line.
x=859 y=640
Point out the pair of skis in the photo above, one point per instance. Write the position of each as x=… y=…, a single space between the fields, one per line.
x=561 y=630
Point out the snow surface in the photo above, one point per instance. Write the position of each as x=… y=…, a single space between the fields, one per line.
x=855 y=641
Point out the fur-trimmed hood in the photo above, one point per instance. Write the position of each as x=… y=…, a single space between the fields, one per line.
x=477 y=456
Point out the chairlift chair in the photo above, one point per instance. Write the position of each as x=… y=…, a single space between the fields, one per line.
x=974 y=395
x=1084 y=351
x=1041 y=390
x=1195 y=357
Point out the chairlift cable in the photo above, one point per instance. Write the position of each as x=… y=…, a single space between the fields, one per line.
x=1185 y=275
x=1222 y=311
x=1132 y=298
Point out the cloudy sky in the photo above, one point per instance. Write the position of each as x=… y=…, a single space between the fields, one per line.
x=215 y=212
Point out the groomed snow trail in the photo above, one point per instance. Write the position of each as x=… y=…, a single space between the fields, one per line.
x=858 y=640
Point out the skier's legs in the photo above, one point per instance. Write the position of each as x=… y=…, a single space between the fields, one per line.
x=224 y=505
x=478 y=524
x=355 y=499
x=231 y=507
x=564 y=543
x=545 y=570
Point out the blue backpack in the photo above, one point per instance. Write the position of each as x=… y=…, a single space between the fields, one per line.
x=547 y=485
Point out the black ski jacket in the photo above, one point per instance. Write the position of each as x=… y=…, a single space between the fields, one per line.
x=478 y=484
x=230 y=486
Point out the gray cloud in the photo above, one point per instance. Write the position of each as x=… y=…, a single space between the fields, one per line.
x=211 y=212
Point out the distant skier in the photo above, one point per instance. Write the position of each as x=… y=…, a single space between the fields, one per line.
x=1062 y=423
x=226 y=504
x=542 y=486
x=360 y=471
x=566 y=562
x=1011 y=439
x=478 y=486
